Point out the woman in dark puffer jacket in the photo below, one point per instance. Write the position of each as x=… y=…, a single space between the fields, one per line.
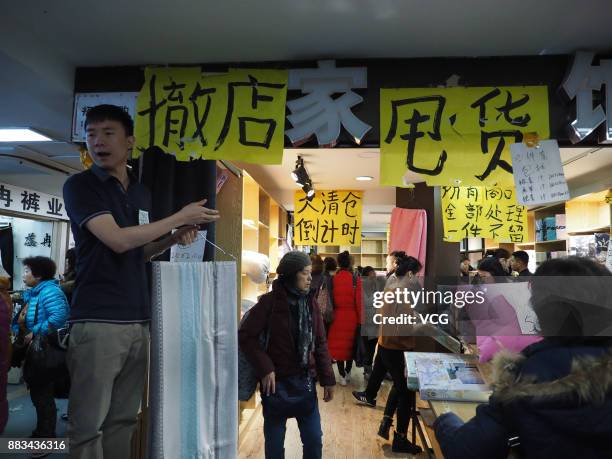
x=554 y=399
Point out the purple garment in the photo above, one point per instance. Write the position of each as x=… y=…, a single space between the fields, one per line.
x=4 y=363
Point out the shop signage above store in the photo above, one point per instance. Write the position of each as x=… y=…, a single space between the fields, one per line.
x=23 y=201
x=582 y=80
x=317 y=112
x=239 y=115
x=84 y=101
x=458 y=135
x=483 y=212
x=330 y=218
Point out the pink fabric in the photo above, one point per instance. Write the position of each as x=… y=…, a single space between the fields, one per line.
x=497 y=328
x=409 y=233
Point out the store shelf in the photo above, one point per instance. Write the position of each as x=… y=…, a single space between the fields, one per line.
x=552 y=242
x=603 y=229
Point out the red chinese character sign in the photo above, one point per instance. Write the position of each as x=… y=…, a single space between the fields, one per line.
x=331 y=218
x=453 y=136
x=239 y=115
x=483 y=212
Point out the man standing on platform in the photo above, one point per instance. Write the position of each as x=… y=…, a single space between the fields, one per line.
x=110 y=313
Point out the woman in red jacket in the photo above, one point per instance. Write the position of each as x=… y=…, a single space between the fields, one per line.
x=347 y=316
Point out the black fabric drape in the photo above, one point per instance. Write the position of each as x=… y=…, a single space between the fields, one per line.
x=174 y=184
x=6 y=248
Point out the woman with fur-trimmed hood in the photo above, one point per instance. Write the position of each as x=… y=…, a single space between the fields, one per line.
x=554 y=399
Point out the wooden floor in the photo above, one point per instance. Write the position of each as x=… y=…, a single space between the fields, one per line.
x=349 y=429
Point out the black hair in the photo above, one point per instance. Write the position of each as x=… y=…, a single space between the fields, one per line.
x=71 y=257
x=493 y=266
x=330 y=264
x=463 y=258
x=367 y=270
x=344 y=260
x=501 y=253
x=398 y=254
x=521 y=255
x=42 y=267
x=106 y=112
x=562 y=305
x=317 y=263
x=408 y=264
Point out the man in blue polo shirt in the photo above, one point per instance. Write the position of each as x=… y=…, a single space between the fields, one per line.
x=107 y=355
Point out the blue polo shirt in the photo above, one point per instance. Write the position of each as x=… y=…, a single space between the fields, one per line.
x=109 y=287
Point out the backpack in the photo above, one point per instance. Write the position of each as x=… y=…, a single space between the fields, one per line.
x=324 y=300
x=247 y=379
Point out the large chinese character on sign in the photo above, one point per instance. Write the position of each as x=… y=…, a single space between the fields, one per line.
x=331 y=218
x=453 y=136
x=318 y=113
x=239 y=115
x=581 y=82
x=485 y=212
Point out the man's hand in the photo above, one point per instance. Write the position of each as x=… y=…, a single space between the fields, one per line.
x=268 y=383
x=28 y=338
x=185 y=235
x=196 y=214
x=328 y=393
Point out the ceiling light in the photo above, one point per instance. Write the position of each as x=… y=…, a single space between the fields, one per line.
x=22 y=135
x=299 y=174
x=309 y=190
x=364 y=178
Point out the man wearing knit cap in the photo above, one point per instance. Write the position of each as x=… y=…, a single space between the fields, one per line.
x=295 y=356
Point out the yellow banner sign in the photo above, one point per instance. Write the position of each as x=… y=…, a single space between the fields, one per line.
x=238 y=115
x=483 y=212
x=331 y=218
x=457 y=136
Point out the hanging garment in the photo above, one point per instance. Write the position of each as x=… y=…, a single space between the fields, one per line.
x=6 y=252
x=174 y=184
x=408 y=232
x=194 y=364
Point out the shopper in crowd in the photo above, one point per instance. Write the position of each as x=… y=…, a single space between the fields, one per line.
x=369 y=286
x=503 y=256
x=330 y=265
x=296 y=354
x=520 y=262
x=317 y=271
x=391 y=263
x=68 y=279
x=393 y=342
x=322 y=287
x=348 y=309
x=554 y=399
x=44 y=312
x=368 y=271
x=465 y=267
x=6 y=315
x=393 y=260
x=495 y=322
x=110 y=313
x=490 y=270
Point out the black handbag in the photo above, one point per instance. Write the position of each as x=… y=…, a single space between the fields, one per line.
x=294 y=397
x=19 y=350
x=45 y=358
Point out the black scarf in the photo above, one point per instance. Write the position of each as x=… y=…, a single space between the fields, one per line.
x=304 y=344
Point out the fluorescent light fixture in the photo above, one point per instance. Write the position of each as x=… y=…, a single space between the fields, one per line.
x=364 y=178
x=22 y=135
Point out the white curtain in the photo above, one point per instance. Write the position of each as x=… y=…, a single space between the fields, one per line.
x=194 y=363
